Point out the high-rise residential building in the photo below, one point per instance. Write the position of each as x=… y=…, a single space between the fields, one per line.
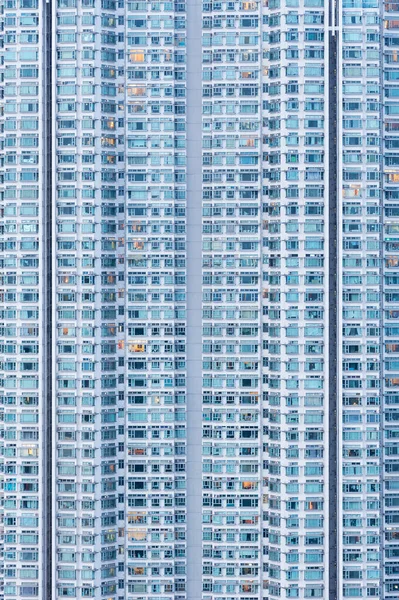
x=199 y=302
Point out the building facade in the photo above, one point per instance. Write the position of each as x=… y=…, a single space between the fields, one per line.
x=199 y=299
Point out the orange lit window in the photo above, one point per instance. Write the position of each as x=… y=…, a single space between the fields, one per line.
x=248 y=485
x=137 y=56
x=135 y=91
x=136 y=347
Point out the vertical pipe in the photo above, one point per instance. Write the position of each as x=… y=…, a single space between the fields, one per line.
x=47 y=119
x=333 y=302
x=194 y=300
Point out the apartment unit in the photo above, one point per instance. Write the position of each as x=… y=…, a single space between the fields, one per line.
x=199 y=299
